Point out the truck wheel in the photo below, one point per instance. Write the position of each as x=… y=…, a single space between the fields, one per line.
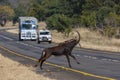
x=38 y=42
x=20 y=39
x=49 y=42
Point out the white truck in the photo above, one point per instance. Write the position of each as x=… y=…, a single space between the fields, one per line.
x=44 y=36
x=28 y=28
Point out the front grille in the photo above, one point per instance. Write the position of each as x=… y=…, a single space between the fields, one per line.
x=28 y=34
x=44 y=38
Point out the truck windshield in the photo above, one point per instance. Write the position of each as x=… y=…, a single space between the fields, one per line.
x=28 y=26
x=44 y=33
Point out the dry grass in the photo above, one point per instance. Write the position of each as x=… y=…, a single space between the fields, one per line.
x=94 y=40
x=89 y=39
x=11 y=70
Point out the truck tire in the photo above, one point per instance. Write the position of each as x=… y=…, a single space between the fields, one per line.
x=38 y=42
x=20 y=37
x=49 y=42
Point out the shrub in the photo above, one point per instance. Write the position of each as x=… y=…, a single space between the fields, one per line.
x=59 y=22
x=110 y=31
x=7 y=10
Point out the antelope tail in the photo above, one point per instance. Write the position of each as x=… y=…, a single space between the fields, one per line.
x=42 y=55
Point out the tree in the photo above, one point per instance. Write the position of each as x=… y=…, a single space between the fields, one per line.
x=59 y=22
x=37 y=10
x=4 y=2
x=7 y=11
x=88 y=19
x=20 y=11
x=64 y=14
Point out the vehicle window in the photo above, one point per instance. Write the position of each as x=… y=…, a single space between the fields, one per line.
x=27 y=21
x=26 y=26
x=44 y=33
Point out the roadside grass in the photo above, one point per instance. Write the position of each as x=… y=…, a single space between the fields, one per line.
x=12 y=70
x=93 y=40
x=89 y=39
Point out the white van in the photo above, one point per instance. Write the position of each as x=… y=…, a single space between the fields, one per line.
x=44 y=36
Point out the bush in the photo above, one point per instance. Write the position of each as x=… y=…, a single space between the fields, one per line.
x=110 y=31
x=59 y=22
x=7 y=11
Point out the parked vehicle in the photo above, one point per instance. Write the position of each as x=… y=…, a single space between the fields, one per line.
x=44 y=36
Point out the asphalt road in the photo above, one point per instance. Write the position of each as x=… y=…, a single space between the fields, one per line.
x=99 y=63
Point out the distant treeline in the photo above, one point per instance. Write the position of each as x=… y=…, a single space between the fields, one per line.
x=63 y=15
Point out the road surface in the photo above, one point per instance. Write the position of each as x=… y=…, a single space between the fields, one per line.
x=104 y=65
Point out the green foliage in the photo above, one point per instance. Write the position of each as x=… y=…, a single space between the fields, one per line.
x=110 y=31
x=63 y=15
x=46 y=8
x=7 y=11
x=103 y=12
x=92 y=5
x=112 y=23
x=4 y=2
x=67 y=31
x=19 y=11
x=88 y=19
x=117 y=9
x=37 y=10
x=112 y=20
x=59 y=22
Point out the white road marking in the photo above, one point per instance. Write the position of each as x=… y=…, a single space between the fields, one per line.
x=94 y=57
x=115 y=60
x=77 y=55
x=90 y=57
x=7 y=38
x=109 y=59
x=104 y=59
x=28 y=45
x=86 y=56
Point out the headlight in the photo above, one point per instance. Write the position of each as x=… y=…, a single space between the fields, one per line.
x=49 y=37
x=23 y=33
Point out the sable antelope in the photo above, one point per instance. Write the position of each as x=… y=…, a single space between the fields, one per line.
x=64 y=48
